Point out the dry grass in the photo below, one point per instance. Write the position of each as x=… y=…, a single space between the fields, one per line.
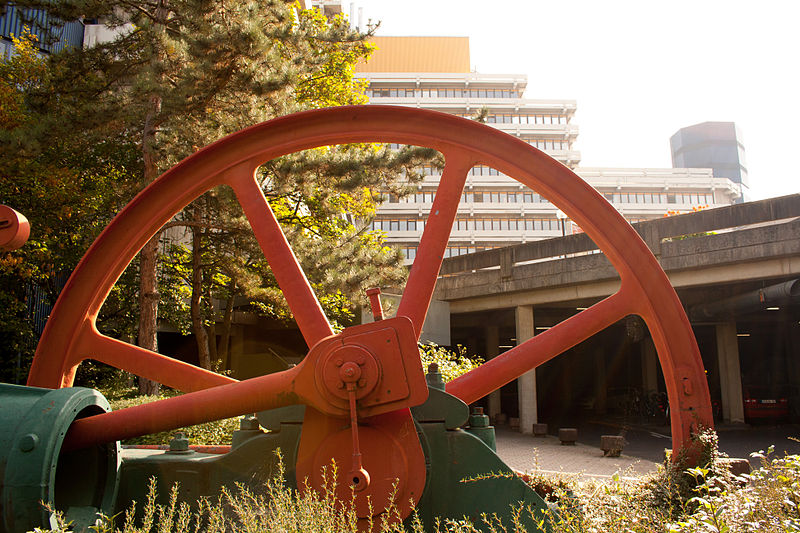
x=673 y=500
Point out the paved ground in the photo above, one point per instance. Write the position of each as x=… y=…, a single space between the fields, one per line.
x=546 y=454
x=643 y=452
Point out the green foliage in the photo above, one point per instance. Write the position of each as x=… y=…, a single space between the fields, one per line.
x=84 y=129
x=19 y=74
x=765 y=500
x=64 y=189
x=452 y=363
x=689 y=500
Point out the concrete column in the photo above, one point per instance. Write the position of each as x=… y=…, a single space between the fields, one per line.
x=526 y=384
x=649 y=366
x=600 y=383
x=730 y=375
x=492 y=351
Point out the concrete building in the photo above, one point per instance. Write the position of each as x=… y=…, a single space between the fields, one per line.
x=434 y=73
x=715 y=145
x=496 y=210
x=736 y=270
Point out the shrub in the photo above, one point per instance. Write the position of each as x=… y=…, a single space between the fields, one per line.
x=452 y=362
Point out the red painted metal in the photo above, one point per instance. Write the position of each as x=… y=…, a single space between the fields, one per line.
x=422 y=278
x=375 y=305
x=302 y=301
x=71 y=336
x=399 y=381
x=541 y=348
x=14 y=229
x=390 y=448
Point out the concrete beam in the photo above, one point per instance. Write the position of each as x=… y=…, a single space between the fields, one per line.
x=756 y=270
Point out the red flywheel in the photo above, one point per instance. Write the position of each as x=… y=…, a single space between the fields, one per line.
x=382 y=355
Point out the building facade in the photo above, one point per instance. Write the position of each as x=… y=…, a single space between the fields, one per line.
x=715 y=145
x=496 y=210
x=51 y=35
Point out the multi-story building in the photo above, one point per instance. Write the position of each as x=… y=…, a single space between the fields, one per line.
x=51 y=35
x=715 y=145
x=496 y=210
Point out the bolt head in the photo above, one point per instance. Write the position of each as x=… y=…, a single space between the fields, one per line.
x=339 y=362
x=28 y=442
x=179 y=443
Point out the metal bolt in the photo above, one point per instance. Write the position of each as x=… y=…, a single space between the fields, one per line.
x=362 y=382
x=339 y=362
x=28 y=442
x=249 y=423
x=179 y=443
x=361 y=360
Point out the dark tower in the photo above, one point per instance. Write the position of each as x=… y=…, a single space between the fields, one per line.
x=715 y=145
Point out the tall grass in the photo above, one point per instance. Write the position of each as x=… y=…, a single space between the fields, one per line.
x=704 y=499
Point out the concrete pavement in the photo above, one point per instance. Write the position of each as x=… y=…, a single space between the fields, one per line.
x=642 y=454
x=547 y=455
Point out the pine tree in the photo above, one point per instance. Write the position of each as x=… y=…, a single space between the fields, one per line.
x=183 y=73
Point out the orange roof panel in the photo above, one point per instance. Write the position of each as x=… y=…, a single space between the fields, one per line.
x=418 y=54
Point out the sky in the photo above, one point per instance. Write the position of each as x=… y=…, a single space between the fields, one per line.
x=639 y=70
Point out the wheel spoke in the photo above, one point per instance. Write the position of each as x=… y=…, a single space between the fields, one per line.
x=292 y=280
x=504 y=368
x=422 y=278
x=265 y=392
x=147 y=364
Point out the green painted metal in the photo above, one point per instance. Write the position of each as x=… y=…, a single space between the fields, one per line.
x=440 y=406
x=465 y=478
x=252 y=461
x=80 y=483
x=480 y=427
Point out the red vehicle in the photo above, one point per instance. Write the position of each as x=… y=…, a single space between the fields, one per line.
x=765 y=404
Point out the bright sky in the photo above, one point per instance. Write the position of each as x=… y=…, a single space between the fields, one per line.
x=638 y=69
